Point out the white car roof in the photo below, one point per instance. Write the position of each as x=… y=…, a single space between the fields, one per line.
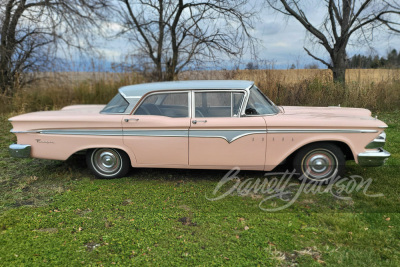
x=139 y=90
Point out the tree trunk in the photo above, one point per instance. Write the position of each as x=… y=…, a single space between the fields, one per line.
x=8 y=46
x=6 y=81
x=3 y=82
x=169 y=72
x=339 y=66
x=159 y=72
x=339 y=74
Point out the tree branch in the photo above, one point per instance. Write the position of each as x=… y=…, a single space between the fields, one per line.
x=319 y=59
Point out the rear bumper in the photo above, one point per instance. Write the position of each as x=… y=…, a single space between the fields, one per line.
x=20 y=151
x=373 y=158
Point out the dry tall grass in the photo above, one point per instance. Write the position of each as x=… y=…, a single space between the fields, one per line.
x=378 y=90
x=364 y=76
x=56 y=90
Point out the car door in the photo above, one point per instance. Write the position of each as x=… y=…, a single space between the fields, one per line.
x=219 y=138
x=157 y=131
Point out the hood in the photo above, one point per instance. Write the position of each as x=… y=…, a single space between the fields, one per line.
x=327 y=111
x=324 y=117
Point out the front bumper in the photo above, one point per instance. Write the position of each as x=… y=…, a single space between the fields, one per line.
x=373 y=158
x=20 y=151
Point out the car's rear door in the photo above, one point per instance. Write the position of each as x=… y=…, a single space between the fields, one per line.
x=157 y=132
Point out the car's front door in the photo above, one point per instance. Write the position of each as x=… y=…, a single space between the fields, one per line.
x=219 y=138
x=157 y=132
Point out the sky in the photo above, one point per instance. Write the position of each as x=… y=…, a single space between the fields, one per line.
x=281 y=42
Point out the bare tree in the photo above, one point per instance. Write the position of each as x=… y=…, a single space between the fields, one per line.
x=30 y=29
x=176 y=33
x=344 y=19
x=391 y=16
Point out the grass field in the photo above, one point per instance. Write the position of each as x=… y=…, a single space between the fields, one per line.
x=56 y=213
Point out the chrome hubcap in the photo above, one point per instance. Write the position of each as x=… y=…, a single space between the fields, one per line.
x=320 y=164
x=106 y=161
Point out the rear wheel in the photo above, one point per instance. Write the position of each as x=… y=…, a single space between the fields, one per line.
x=108 y=163
x=319 y=163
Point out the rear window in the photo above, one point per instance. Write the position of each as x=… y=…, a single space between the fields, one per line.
x=117 y=105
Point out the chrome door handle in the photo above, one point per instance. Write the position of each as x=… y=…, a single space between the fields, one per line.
x=127 y=120
x=196 y=121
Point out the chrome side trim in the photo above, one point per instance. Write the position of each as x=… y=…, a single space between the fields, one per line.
x=120 y=132
x=83 y=132
x=16 y=132
x=157 y=133
x=228 y=135
x=97 y=132
x=20 y=151
x=373 y=158
x=321 y=131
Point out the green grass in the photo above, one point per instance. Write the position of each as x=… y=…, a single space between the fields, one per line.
x=56 y=213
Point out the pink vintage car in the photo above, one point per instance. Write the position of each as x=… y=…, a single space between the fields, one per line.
x=202 y=125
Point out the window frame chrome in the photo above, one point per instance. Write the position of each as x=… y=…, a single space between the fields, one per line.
x=244 y=91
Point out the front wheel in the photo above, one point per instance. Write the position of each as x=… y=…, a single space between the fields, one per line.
x=108 y=163
x=319 y=163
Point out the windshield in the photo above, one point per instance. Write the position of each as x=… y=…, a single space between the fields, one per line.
x=117 y=105
x=259 y=104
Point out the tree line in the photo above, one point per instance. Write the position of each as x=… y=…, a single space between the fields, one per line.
x=391 y=60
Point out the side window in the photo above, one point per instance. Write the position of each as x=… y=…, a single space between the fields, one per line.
x=218 y=104
x=173 y=105
x=258 y=104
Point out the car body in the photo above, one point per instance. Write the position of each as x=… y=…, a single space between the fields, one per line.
x=202 y=125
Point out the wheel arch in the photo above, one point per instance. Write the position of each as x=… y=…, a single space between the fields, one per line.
x=128 y=152
x=344 y=147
